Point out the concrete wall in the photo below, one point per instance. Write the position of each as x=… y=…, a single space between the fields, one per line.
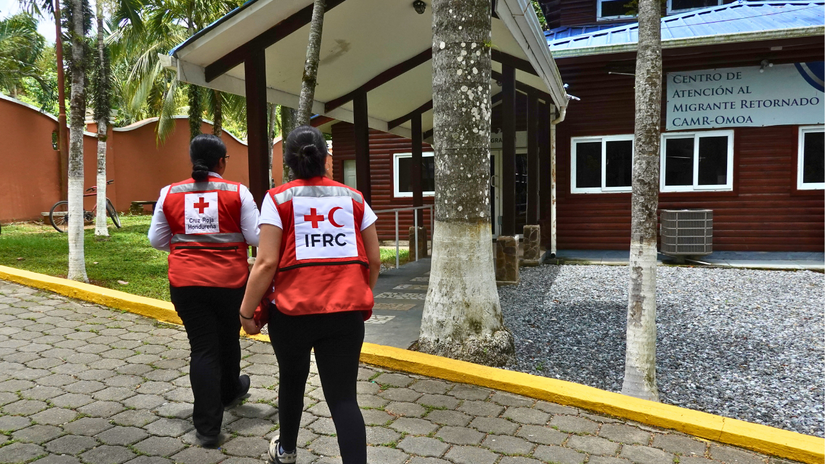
x=139 y=166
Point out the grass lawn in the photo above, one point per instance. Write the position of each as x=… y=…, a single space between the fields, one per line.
x=125 y=256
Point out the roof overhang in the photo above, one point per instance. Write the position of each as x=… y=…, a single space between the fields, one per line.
x=362 y=41
x=810 y=31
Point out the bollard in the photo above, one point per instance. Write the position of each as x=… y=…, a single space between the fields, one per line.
x=532 y=245
x=506 y=260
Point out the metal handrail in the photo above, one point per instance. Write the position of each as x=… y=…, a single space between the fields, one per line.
x=415 y=223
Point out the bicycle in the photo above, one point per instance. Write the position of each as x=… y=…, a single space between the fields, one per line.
x=59 y=214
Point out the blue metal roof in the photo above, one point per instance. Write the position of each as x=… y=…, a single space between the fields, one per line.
x=566 y=32
x=734 y=18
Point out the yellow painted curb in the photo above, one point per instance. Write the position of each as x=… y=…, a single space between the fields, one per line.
x=760 y=438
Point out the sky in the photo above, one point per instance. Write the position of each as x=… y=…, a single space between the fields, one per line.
x=46 y=26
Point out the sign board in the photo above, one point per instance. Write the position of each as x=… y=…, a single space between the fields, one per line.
x=496 y=139
x=782 y=94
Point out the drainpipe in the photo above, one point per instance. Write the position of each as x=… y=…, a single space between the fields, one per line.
x=562 y=114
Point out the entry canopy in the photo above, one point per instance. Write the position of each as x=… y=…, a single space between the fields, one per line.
x=382 y=47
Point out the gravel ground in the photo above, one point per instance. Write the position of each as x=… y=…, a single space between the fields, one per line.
x=741 y=343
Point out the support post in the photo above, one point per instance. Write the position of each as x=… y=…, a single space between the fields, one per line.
x=544 y=163
x=508 y=151
x=416 y=170
x=362 y=145
x=532 y=159
x=552 y=186
x=257 y=140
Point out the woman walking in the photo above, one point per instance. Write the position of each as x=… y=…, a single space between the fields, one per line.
x=207 y=223
x=317 y=263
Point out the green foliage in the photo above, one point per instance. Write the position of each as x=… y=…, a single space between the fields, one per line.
x=20 y=48
x=195 y=111
x=540 y=15
x=126 y=256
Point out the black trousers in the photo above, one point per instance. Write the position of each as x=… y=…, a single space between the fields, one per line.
x=210 y=316
x=337 y=340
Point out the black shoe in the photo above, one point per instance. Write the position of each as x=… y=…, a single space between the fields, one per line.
x=243 y=392
x=207 y=441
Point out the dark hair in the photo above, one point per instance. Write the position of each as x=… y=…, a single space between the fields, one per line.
x=305 y=152
x=205 y=151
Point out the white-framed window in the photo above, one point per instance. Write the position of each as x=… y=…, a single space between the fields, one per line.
x=402 y=171
x=679 y=6
x=601 y=164
x=811 y=164
x=612 y=9
x=697 y=161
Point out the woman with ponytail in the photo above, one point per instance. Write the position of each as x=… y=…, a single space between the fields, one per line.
x=207 y=223
x=317 y=264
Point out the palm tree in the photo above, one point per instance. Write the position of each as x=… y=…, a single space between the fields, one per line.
x=102 y=87
x=20 y=48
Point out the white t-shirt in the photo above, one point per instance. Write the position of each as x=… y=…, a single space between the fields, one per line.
x=269 y=215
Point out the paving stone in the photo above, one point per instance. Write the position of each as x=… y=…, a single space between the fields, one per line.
x=541 y=434
x=239 y=460
x=37 y=434
x=401 y=395
x=554 y=408
x=508 y=399
x=507 y=445
x=526 y=415
x=102 y=408
x=679 y=444
x=414 y=426
x=439 y=401
x=449 y=418
x=599 y=418
x=433 y=387
x=494 y=425
x=169 y=427
x=697 y=460
x=405 y=409
x=385 y=456
x=24 y=407
x=325 y=446
x=181 y=395
x=593 y=445
x=246 y=446
x=58 y=459
x=323 y=426
x=88 y=426
x=382 y=436
x=255 y=410
x=71 y=444
x=106 y=454
x=470 y=392
x=162 y=375
x=624 y=434
x=122 y=436
x=574 y=424
x=423 y=446
x=94 y=374
x=470 y=455
x=394 y=380
x=559 y=455
x=9 y=397
x=54 y=416
x=15 y=385
x=251 y=427
x=481 y=408
x=376 y=417
x=460 y=435
x=371 y=401
x=20 y=452
x=134 y=418
x=72 y=400
x=730 y=455
x=518 y=460
x=84 y=387
x=175 y=410
x=144 y=401
x=56 y=380
x=611 y=460
x=113 y=394
x=645 y=455
x=368 y=388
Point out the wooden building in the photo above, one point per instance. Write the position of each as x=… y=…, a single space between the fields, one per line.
x=760 y=169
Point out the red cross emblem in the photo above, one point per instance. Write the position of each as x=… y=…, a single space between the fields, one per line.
x=201 y=205
x=314 y=218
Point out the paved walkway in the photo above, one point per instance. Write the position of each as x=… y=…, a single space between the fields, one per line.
x=80 y=383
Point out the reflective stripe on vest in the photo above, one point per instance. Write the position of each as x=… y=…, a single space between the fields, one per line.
x=203 y=186
x=209 y=238
x=316 y=191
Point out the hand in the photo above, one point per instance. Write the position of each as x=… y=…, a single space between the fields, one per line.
x=250 y=326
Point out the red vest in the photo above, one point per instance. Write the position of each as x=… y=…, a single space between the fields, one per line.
x=323 y=264
x=208 y=248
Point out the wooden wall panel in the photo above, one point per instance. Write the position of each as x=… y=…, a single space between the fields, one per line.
x=382 y=146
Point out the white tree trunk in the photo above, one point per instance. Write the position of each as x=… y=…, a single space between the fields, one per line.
x=100 y=220
x=77 y=263
x=640 y=357
x=462 y=314
x=311 y=64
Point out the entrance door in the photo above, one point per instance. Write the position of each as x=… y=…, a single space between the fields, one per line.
x=520 y=186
